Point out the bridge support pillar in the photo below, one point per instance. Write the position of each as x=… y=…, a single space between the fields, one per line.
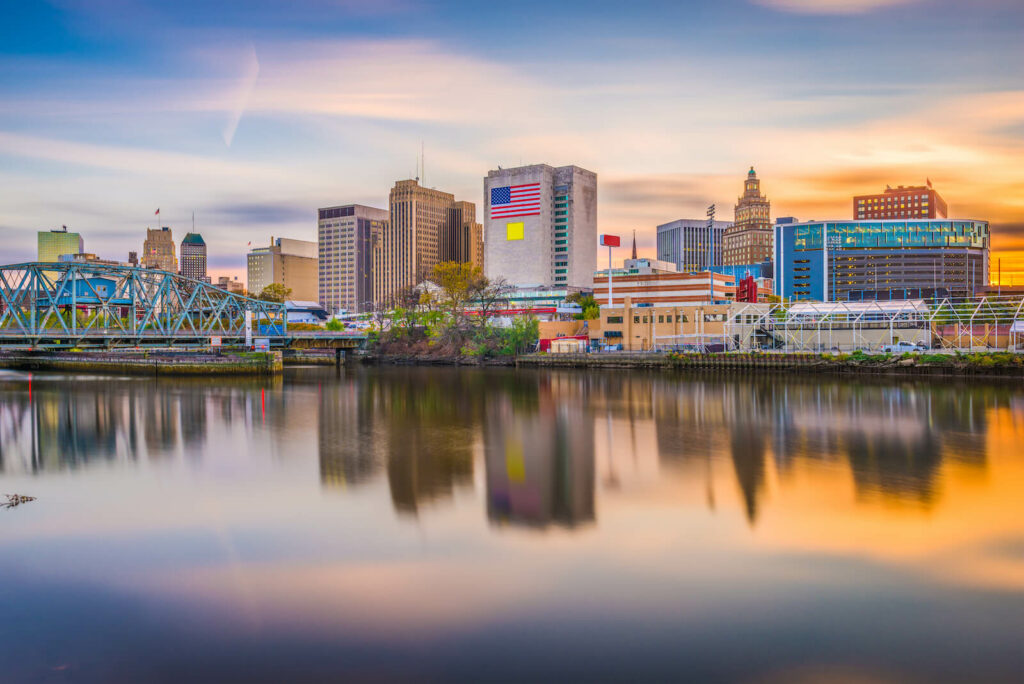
x=340 y=356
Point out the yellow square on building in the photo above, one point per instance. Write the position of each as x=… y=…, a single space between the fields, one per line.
x=514 y=231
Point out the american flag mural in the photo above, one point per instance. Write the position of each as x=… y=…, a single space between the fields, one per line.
x=515 y=200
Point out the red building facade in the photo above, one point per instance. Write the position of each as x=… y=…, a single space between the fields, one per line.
x=903 y=202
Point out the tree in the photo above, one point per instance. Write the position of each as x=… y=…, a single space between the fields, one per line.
x=334 y=325
x=275 y=292
x=459 y=282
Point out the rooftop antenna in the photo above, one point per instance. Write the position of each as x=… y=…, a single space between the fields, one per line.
x=423 y=164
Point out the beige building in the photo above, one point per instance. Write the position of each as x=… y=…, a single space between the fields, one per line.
x=641 y=327
x=346 y=235
x=158 y=250
x=749 y=239
x=292 y=263
x=424 y=229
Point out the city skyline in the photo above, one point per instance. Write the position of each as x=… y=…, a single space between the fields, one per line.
x=112 y=110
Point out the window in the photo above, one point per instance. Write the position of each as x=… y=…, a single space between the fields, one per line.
x=661 y=318
x=681 y=318
x=636 y=319
x=615 y=319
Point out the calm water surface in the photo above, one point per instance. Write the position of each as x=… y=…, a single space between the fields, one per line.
x=443 y=524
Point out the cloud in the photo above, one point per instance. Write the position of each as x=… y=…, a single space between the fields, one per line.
x=246 y=84
x=260 y=214
x=831 y=6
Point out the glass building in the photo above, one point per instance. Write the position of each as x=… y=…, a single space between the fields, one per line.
x=881 y=260
x=53 y=244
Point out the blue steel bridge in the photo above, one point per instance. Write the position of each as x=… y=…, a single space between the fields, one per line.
x=55 y=305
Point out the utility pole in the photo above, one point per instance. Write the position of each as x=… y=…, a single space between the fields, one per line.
x=709 y=252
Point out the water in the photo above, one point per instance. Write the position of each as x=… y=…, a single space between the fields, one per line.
x=494 y=525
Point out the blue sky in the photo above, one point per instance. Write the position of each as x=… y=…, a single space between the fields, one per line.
x=253 y=114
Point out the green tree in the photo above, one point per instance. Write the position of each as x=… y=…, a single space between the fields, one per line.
x=275 y=292
x=334 y=325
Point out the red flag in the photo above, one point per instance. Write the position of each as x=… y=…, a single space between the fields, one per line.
x=157 y=213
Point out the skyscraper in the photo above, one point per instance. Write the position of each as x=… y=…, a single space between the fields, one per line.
x=418 y=236
x=52 y=244
x=193 y=256
x=292 y=263
x=345 y=239
x=541 y=226
x=749 y=240
x=689 y=244
x=465 y=235
x=158 y=250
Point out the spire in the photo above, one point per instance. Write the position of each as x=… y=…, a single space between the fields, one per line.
x=634 y=244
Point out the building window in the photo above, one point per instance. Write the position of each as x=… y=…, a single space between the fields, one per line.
x=615 y=319
x=636 y=319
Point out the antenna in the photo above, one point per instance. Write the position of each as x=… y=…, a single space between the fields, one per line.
x=423 y=164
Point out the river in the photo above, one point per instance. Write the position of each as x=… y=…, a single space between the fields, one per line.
x=439 y=524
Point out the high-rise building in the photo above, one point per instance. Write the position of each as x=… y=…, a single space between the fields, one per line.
x=417 y=237
x=690 y=245
x=914 y=202
x=292 y=263
x=749 y=239
x=345 y=238
x=193 y=256
x=53 y=244
x=540 y=226
x=881 y=260
x=465 y=236
x=133 y=258
x=158 y=250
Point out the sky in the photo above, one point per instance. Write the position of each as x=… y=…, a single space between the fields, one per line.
x=251 y=115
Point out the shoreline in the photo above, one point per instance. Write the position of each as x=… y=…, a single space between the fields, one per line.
x=979 y=364
x=151 y=363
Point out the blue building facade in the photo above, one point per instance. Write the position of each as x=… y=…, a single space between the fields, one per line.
x=881 y=260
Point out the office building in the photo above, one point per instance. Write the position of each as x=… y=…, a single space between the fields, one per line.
x=158 y=250
x=749 y=239
x=193 y=257
x=881 y=260
x=690 y=244
x=53 y=244
x=466 y=236
x=540 y=226
x=133 y=259
x=292 y=263
x=916 y=202
x=423 y=230
x=346 y=235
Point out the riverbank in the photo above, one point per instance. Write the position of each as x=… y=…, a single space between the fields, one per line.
x=982 y=364
x=162 y=362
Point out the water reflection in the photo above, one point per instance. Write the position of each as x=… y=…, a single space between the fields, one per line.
x=535 y=435
x=622 y=526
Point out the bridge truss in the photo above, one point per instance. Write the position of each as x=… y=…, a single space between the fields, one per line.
x=78 y=304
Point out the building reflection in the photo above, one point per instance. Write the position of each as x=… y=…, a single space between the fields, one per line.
x=540 y=458
x=61 y=425
x=893 y=438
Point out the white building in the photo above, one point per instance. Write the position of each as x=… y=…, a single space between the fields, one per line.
x=540 y=226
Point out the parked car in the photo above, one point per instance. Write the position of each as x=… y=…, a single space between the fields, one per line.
x=901 y=347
